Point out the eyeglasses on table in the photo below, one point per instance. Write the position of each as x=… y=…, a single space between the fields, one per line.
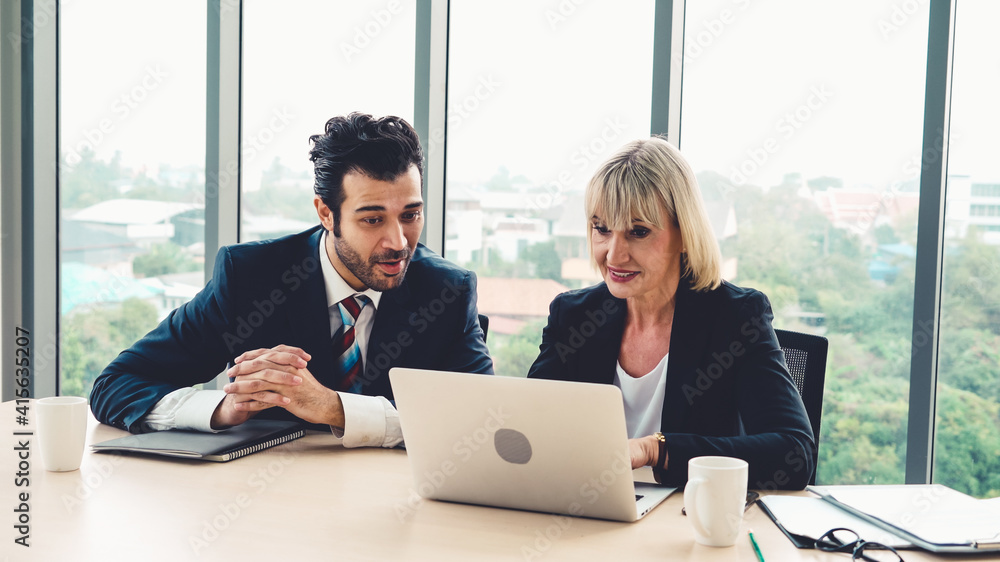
x=847 y=541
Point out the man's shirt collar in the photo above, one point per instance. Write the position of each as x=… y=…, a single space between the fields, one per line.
x=336 y=288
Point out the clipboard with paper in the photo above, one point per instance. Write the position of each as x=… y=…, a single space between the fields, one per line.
x=932 y=517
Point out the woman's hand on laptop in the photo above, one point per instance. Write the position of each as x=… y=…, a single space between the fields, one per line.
x=644 y=451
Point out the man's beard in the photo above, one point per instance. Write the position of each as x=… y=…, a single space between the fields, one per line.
x=368 y=272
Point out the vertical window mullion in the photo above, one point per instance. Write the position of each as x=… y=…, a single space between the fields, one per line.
x=222 y=146
x=930 y=244
x=668 y=65
x=430 y=100
x=222 y=143
x=30 y=219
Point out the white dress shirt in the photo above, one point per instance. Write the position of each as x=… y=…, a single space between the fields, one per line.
x=643 y=398
x=369 y=421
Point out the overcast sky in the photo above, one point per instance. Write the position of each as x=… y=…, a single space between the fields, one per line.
x=770 y=87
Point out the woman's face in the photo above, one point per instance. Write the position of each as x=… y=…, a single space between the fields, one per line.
x=642 y=261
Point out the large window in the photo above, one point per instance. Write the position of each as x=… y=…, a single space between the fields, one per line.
x=304 y=62
x=803 y=122
x=131 y=175
x=967 y=441
x=537 y=99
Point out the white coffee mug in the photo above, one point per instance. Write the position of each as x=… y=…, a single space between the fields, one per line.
x=62 y=431
x=714 y=498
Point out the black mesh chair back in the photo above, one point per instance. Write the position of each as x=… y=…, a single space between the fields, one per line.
x=484 y=323
x=805 y=356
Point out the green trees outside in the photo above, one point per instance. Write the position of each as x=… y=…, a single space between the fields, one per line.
x=785 y=247
x=537 y=261
x=91 y=339
x=282 y=192
x=792 y=252
x=163 y=259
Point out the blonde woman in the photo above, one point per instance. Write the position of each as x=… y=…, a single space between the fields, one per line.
x=696 y=358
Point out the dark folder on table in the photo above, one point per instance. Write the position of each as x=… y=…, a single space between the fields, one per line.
x=233 y=443
x=931 y=517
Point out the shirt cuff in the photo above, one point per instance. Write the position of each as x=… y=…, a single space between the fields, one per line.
x=185 y=408
x=369 y=421
x=197 y=412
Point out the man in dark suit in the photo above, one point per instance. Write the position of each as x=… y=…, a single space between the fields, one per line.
x=295 y=316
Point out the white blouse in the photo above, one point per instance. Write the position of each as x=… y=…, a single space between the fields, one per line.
x=643 y=398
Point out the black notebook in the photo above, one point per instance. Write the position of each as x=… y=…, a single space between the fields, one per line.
x=233 y=443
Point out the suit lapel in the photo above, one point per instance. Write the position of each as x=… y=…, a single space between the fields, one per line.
x=309 y=316
x=599 y=351
x=391 y=317
x=688 y=338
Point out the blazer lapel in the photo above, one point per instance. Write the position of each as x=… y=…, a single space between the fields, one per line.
x=391 y=317
x=598 y=354
x=309 y=316
x=688 y=338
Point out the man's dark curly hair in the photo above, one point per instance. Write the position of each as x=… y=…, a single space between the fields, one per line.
x=382 y=149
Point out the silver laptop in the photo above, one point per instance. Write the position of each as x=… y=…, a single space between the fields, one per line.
x=539 y=445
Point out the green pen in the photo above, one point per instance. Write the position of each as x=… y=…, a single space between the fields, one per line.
x=756 y=549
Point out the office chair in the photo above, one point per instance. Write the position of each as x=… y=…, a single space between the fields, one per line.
x=484 y=323
x=805 y=356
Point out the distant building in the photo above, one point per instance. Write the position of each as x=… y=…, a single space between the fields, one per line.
x=143 y=222
x=973 y=204
x=861 y=210
x=512 y=235
x=85 y=287
x=95 y=247
x=174 y=289
x=257 y=227
x=463 y=226
x=722 y=216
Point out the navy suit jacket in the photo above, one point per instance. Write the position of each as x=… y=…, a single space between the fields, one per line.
x=263 y=294
x=728 y=391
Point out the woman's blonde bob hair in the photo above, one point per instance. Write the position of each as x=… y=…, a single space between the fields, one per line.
x=650 y=181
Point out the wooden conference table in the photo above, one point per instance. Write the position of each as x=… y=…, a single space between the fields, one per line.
x=311 y=499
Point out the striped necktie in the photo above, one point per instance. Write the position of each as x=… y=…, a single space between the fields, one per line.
x=345 y=346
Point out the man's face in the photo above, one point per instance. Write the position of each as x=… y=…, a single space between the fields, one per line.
x=380 y=223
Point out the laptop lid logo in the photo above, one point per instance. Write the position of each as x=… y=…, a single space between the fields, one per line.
x=512 y=446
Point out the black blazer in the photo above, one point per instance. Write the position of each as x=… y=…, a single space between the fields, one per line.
x=728 y=391
x=263 y=294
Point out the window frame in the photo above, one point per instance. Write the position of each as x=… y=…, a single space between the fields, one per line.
x=29 y=204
